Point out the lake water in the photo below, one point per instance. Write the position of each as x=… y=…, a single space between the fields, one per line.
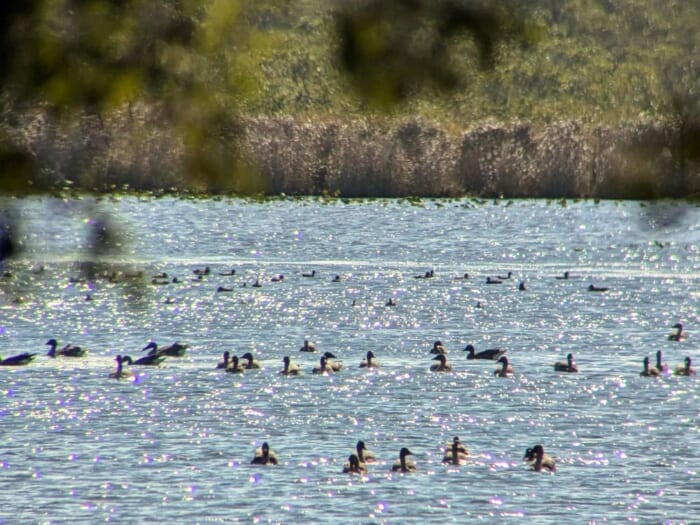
x=175 y=445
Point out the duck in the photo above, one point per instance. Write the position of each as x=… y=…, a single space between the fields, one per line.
x=491 y=280
x=277 y=278
x=336 y=279
x=308 y=346
x=232 y=271
x=427 y=275
x=522 y=286
x=67 y=351
x=221 y=289
x=509 y=275
x=264 y=456
x=390 y=302
x=312 y=273
x=369 y=361
x=505 y=370
x=199 y=272
x=323 y=368
x=491 y=353
x=648 y=371
x=225 y=361
x=660 y=366
x=17 y=360
x=442 y=366
x=402 y=464
x=257 y=284
x=594 y=288
x=679 y=332
x=438 y=348
x=174 y=350
x=564 y=277
x=455 y=452
x=566 y=366
x=234 y=366
x=354 y=466
x=363 y=454
x=685 y=369
x=161 y=275
x=147 y=360
x=290 y=369
x=538 y=460
x=464 y=276
x=120 y=372
x=250 y=361
x=335 y=365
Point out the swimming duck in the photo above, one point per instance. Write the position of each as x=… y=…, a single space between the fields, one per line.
x=230 y=272
x=685 y=369
x=522 y=286
x=354 y=466
x=67 y=351
x=264 y=456
x=564 y=277
x=427 y=275
x=277 y=278
x=402 y=464
x=442 y=366
x=455 y=452
x=205 y=271
x=463 y=276
x=312 y=273
x=390 y=302
x=308 y=346
x=538 y=460
x=162 y=275
x=120 y=373
x=234 y=366
x=257 y=284
x=363 y=454
x=660 y=366
x=174 y=350
x=679 y=333
x=369 y=361
x=335 y=365
x=491 y=353
x=593 y=288
x=17 y=360
x=438 y=348
x=147 y=360
x=566 y=366
x=508 y=276
x=221 y=289
x=290 y=369
x=491 y=280
x=505 y=370
x=250 y=361
x=323 y=368
x=225 y=361
x=648 y=371
x=336 y=279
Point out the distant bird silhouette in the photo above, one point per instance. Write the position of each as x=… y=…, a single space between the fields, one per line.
x=442 y=365
x=594 y=288
x=455 y=452
x=538 y=460
x=679 y=332
x=290 y=369
x=312 y=273
x=369 y=361
x=506 y=369
x=174 y=350
x=685 y=369
x=354 y=466
x=648 y=371
x=308 y=346
x=491 y=280
x=402 y=464
x=17 y=360
x=566 y=366
x=491 y=353
x=67 y=351
x=264 y=456
x=660 y=366
x=564 y=277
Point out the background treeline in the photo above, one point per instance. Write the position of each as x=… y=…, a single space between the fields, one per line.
x=548 y=98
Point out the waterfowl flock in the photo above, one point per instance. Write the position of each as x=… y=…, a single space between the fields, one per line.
x=454 y=452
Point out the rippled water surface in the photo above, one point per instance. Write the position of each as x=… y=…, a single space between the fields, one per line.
x=176 y=443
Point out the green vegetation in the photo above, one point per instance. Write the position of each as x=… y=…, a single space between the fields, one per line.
x=356 y=98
